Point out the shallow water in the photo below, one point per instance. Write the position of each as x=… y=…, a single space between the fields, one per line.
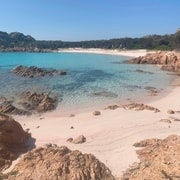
x=92 y=79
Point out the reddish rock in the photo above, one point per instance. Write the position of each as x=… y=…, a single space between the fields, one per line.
x=159 y=159
x=79 y=140
x=170 y=61
x=12 y=140
x=52 y=162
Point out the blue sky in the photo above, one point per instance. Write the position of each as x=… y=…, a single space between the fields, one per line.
x=89 y=19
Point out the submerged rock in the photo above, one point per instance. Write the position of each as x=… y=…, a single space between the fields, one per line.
x=104 y=94
x=8 y=108
x=28 y=103
x=12 y=140
x=152 y=90
x=159 y=159
x=142 y=71
x=39 y=102
x=53 y=162
x=34 y=71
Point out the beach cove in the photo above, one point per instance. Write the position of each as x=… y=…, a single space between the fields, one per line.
x=110 y=135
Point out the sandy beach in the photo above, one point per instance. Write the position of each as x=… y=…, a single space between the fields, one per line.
x=130 y=53
x=111 y=135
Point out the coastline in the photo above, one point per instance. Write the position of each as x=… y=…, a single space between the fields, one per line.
x=128 y=53
x=111 y=135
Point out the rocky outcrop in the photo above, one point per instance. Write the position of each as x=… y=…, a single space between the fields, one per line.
x=140 y=107
x=12 y=140
x=28 y=103
x=52 y=162
x=169 y=61
x=32 y=72
x=39 y=102
x=159 y=159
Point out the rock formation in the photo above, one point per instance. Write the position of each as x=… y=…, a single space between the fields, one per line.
x=7 y=108
x=79 y=140
x=169 y=61
x=140 y=107
x=52 y=162
x=39 y=102
x=12 y=140
x=159 y=159
x=32 y=72
x=28 y=103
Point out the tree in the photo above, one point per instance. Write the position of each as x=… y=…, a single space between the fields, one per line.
x=177 y=39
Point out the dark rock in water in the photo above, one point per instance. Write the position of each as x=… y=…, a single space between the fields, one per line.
x=104 y=94
x=12 y=140
x=142 y=71
x=28 y=103
x=152 y=90
x=33 y=72
x=39 y=102
x=8 y=108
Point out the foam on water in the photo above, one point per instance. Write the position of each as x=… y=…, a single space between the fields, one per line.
x=92 y=79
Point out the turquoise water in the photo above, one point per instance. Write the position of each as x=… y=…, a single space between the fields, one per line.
x=105 y=75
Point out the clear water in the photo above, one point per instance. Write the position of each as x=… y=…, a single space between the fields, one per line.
x=87 y=74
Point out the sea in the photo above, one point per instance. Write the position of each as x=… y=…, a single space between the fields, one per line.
x=92 y=80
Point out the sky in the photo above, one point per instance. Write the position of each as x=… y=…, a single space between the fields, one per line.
x=75 y=20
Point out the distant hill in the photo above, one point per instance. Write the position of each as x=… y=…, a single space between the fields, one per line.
x=15 y=40
x=19 y=42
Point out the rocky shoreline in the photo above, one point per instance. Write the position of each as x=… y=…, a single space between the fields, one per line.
x=158 y=158
x=169 y=61
x=27 y=103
